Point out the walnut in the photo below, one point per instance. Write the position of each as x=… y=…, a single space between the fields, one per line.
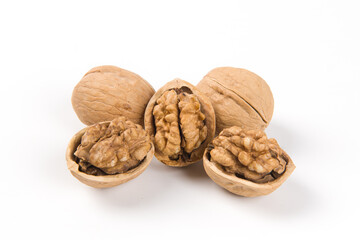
x=246 y=162
x=239 y=97
x=107 y=92
x=109 y=153
x=181 y=121
x=170 y=111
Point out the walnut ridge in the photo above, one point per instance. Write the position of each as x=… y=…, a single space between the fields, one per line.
x=239 y=97
x=246 y=162
x=109 y=153
x=181 y=121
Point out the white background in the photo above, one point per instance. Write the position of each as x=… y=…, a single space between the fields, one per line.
x=307 y=51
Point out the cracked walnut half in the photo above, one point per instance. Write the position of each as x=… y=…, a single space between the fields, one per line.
x=181 y=121
x=248 y=154
x=112 y=147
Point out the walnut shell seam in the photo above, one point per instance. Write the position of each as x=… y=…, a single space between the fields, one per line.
x=239 y=98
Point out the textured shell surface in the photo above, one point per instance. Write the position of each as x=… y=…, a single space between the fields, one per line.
x=106 y=92
x=239 y=97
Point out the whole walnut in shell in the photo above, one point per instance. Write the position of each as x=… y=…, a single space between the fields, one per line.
x=107 y=92
x=109 y=153
x=246 y=162
x=239 y=97
x=181 y=121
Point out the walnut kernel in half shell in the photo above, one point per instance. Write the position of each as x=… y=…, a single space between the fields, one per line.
x=107 y=92
x=246 y=162
x=239 y=97
x=181 y=121
x=107 y=154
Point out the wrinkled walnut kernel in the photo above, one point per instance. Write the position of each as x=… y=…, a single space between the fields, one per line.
x=248 y=154
x=112 y=147
x=179 y=123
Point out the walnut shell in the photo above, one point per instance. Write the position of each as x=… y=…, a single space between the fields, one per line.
x=102 y=181
x=246 y=162
x=107 y=92
x=181 y=121
x=239 y=97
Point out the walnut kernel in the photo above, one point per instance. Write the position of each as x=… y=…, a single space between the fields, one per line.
x=181 y=121
x=114 y=147
x=248 y=154
x=238 y=157
x=109 y=153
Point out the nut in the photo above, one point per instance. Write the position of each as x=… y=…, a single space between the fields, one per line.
x=239 y=97
x=107 y=92
x=107 y=154
x=246 y=162
x=181 y=121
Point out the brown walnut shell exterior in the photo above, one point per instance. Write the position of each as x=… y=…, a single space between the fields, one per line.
x=107 y=92
x=101 y=181
x=239 y=97
x=242 y=186
x=206 y=108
